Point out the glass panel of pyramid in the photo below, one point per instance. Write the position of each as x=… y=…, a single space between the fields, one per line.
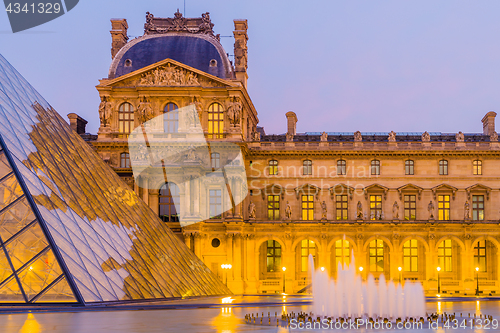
x=70 y=229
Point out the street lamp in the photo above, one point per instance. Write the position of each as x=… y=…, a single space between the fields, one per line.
x=225 y=267
x=284 y=269
x=477 y=279
x=322 y=269
x=439 y=284
x=399 y=269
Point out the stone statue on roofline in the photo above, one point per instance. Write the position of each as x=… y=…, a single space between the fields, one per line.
x=358 y=137
x=426 y=137
x=460 y=137
x=392 y=137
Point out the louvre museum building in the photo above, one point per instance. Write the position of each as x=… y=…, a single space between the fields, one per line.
x=229 y=204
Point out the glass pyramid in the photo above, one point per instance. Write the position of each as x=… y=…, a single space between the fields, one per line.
x=70 y=229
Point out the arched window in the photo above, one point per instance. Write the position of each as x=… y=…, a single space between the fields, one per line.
x=273 y=168
x=480 y=255
x=409 y=167
x=341 y=168
x=477 y=167
x=410 y=256
x=342 y=254
x=443 y=167
x=215 y=121
x=170 y=118
x=445 y=255
x=168 y=199
x=307 y=167
x=273 y=256
x=375 y=167
x=376 y=253
x=215 y=160
x=124 y=160
x=307 y=247
x=125 y=118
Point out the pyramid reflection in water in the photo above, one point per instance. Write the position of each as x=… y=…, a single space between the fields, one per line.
x=70 y=229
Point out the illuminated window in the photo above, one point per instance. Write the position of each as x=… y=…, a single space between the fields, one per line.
x=376 y=253
x=215 y=198
x=445 y=255
x=273 y=256
x=273 y=207
x=307 y=247
x=480 y=256
x=170 y=118
x=409 y=167
x=410 y=207
x=410 y=256
x=307 y=167
x=273 y=168
x=215 y=160
x=375 y=207
x=169 y=197
x=477 y=167
x=443 y=167
x=341 y=167
x=444 y=207
x=478 y=207
x=125 y=118
x=124 y=160
x=342 y=253
x=375 y=167
x=307 y=207
x=341 y=206
x=215 y=121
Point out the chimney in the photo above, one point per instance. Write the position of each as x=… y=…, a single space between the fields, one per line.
x=489 y=123
x=118 y=35
x=77 y=123
x=240 y=50
x=291 y=119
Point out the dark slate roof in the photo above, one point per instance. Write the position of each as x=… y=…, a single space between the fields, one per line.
x=192 y=50
x=376 y=137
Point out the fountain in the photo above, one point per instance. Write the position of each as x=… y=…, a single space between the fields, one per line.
x=350 y=297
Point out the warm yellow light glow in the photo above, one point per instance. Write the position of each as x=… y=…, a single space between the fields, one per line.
x=477 y=269
x=226 y=266
x=31 y=325
x=31 y=268
x=227 y=300
x=399 y=269
x=438 y=295
x=322 y=269
x=283 y=268
x=439 y=268
x=361 y=269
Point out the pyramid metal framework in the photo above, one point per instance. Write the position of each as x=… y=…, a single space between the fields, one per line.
x=70 y=230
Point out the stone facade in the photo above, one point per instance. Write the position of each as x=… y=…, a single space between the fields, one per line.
x=410 y=200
